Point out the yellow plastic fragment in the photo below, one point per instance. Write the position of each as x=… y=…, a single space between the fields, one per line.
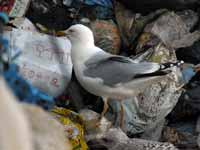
x=74 y=128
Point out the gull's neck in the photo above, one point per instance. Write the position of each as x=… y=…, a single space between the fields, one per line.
x=82 y=52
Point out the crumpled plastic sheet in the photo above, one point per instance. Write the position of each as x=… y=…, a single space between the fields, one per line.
x=131 y=24
x=105 y=3
x=173 y=31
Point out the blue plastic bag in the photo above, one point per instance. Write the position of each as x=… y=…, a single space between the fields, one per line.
x=24 y=90
x=104 y=3
x=188 y=74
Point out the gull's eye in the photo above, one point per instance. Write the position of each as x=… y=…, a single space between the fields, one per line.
x=71 y=31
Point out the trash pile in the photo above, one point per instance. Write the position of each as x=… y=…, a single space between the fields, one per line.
x=36 y=65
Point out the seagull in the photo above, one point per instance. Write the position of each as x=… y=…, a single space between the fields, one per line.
x=106 y=75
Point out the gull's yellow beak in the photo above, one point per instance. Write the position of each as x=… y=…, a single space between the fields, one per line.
x=62 y=33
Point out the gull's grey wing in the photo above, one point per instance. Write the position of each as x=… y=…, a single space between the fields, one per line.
x=117 y=69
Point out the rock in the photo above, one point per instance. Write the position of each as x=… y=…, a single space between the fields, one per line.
x=106 y=35
x=172 y=31
x=48 y=133
x=115 y=139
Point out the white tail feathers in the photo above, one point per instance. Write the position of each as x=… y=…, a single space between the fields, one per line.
x=14 y=129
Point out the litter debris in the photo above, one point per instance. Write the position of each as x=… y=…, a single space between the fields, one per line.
x=45 y=60
x=198 y=141
x=104 y=3
x=188 y=73
x=47 y=132
x=172 y=31
x=14 y=127
x=93 y=127
x=181 y=134
x=131 y=24
x=198 y=131
x=189 y=17
x=14 y=8
x=73 y=125
x=67 y=2
x=23 y=24
x=115 y=139
x=106 y=35
x=190 y=54
x=147 y=6
x=25 y=91
x=36 y=63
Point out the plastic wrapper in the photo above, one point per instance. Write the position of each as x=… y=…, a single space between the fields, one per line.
x=14 y=8
x=73 y=125
x=45 y=60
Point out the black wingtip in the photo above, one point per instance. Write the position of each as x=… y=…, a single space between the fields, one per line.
x=157 y=73
x=169 y=65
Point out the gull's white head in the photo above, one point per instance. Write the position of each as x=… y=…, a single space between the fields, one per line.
x=80 y=34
